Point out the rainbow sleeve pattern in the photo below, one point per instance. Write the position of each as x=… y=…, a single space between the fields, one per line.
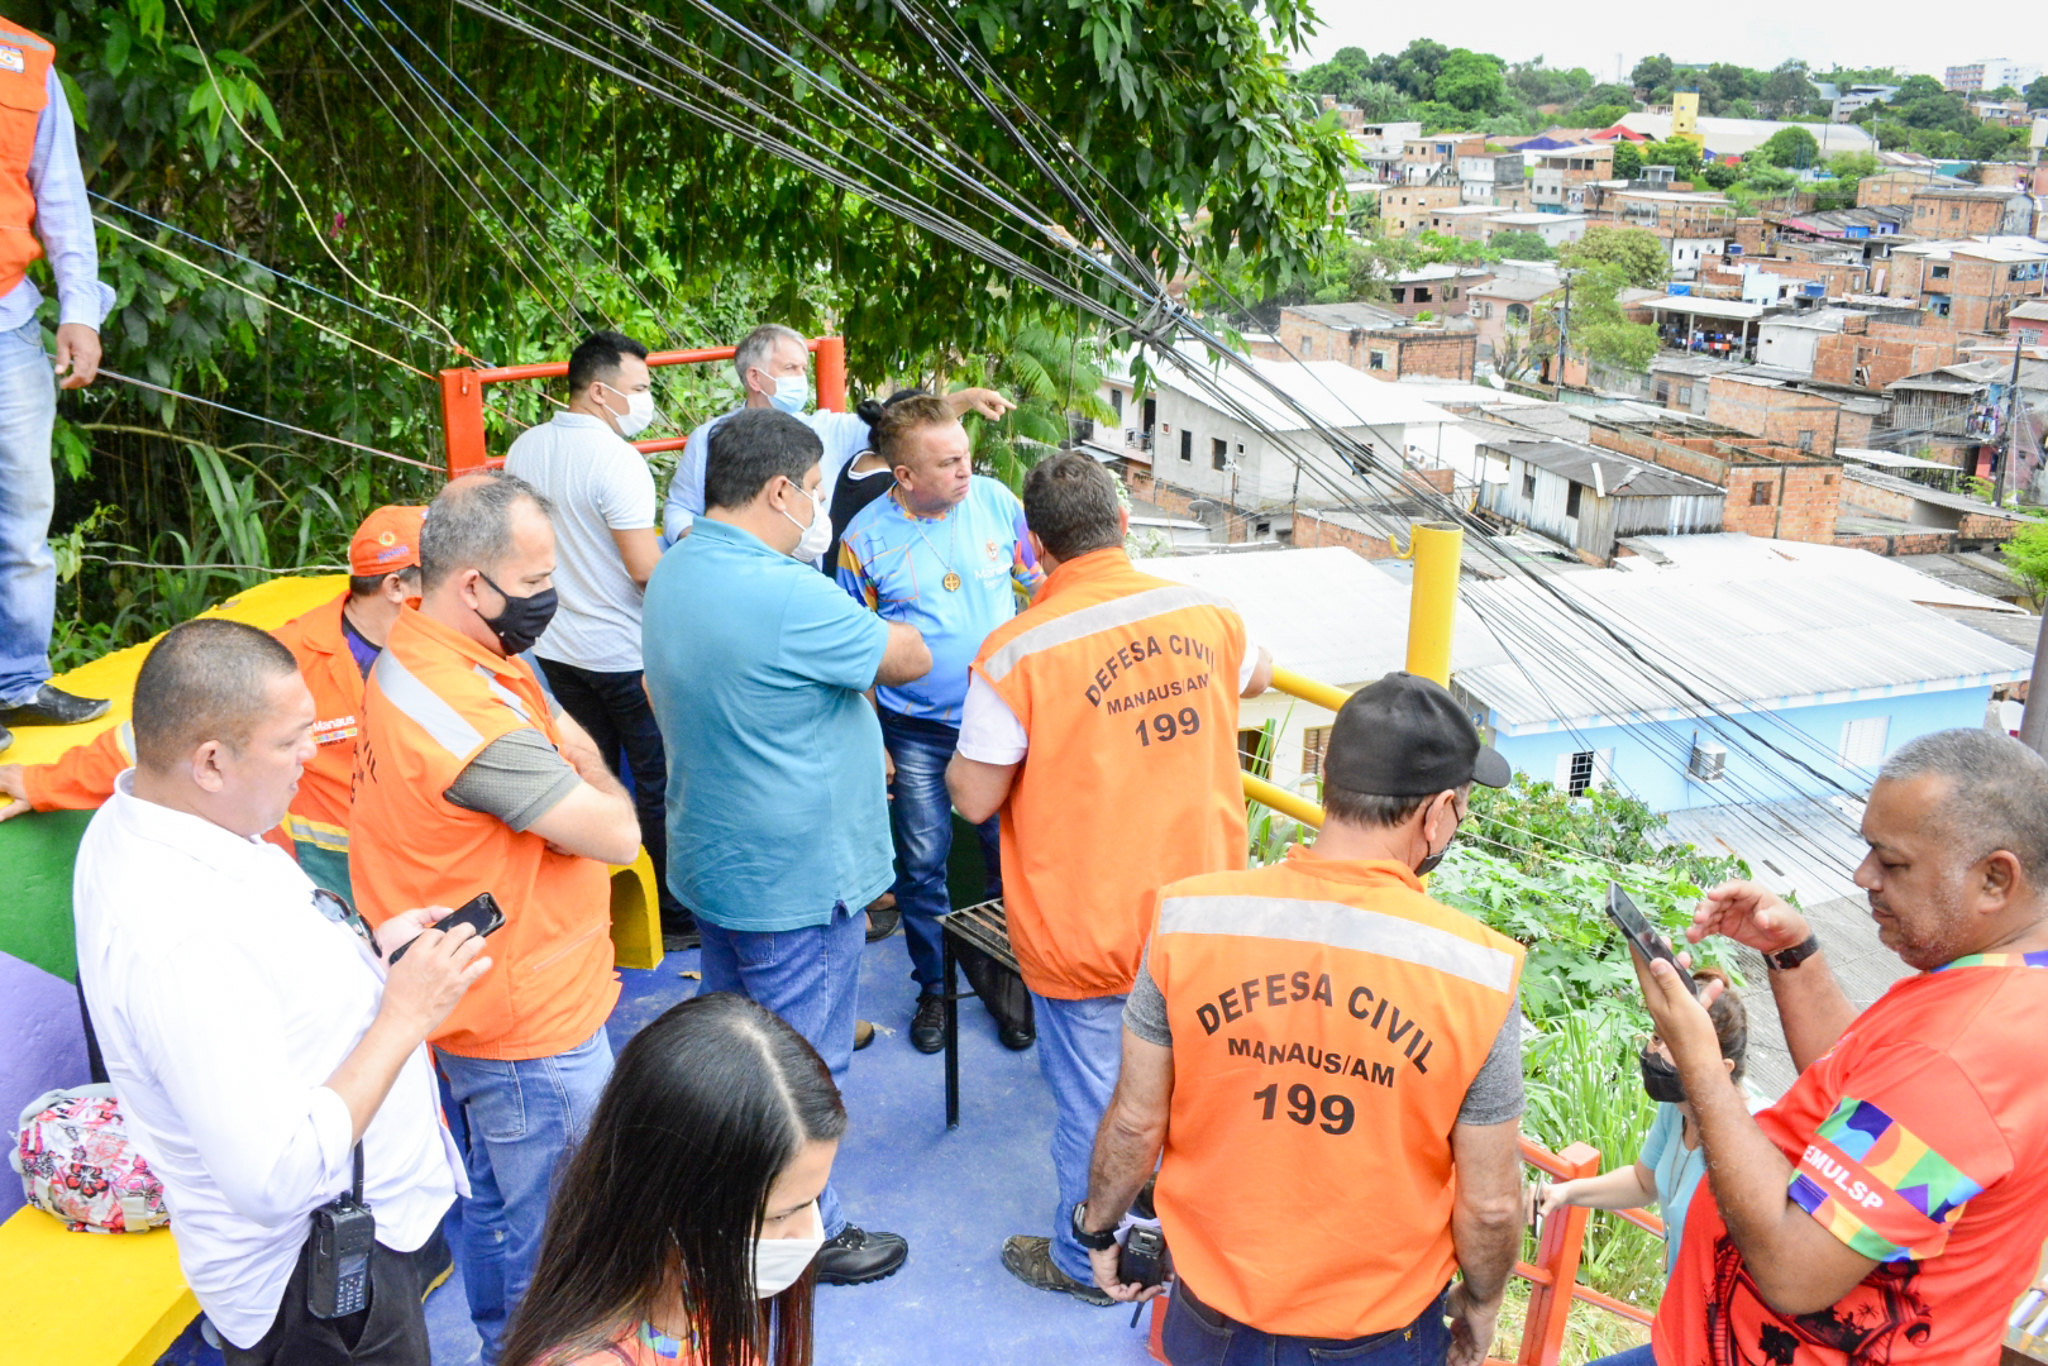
x=1892 y=1167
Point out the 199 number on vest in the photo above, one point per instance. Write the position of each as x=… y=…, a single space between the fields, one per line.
x=1337 y=1111
x=1168 y=726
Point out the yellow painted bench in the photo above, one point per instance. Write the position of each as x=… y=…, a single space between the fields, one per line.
x=88 y=1299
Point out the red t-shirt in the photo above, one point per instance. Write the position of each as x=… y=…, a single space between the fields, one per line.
x=1920 y=1140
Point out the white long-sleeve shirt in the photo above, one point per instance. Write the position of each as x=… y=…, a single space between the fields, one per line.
x=63 y=221
x=223 y=1000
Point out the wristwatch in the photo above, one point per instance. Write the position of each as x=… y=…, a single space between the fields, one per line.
x=1791 y=958
x=1094 y=1242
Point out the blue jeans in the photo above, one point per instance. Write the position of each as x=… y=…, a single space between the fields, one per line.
x=614 y=708
x=921 y=819
x=1080 y=1047
x=1196 y=1335
x=1634 y=1356
x=811 y=978
x=28 y=495
x=520 y=1120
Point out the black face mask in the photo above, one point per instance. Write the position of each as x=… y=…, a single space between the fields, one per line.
x=1660 y=1079
x=521 y=621
x=1428 y=865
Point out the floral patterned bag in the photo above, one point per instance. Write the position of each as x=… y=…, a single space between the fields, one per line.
x=76 y=1163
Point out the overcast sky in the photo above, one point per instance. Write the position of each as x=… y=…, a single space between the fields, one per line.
x=1591 y=33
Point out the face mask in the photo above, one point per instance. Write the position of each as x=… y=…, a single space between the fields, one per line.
x=1660 y=1079
x=1428 y=865
x=522 y=620
x=639 y=413
x=817 y=536
x=792 y=394
x=780 y=1262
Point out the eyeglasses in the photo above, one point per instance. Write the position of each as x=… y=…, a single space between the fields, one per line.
x=338 y=910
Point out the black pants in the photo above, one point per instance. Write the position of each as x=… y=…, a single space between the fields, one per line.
x=391 y=1331
x=613 y=708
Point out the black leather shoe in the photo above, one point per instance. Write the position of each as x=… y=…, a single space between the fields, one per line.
x=54 y=707
x=928 y=1026
x=6 y=738
x=882 y=924
x=679 y=936
x=1015 y=1039
x=856 y=1257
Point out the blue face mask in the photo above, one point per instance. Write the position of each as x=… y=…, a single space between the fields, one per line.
x=792 y=394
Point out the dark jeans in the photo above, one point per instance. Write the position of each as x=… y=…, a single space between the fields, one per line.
x=1634 y=1356
x=392 y=1331
x=921 y=819
x=1196 y=1335
x=614 y=709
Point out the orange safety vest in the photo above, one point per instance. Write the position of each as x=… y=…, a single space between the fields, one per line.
x=434 y=700
x=317 y=823
x=1126 y=686
x=24 y=70
x=1327 y=1020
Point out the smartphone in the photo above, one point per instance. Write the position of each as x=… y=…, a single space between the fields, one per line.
x=480 y=912
x=1636 y=928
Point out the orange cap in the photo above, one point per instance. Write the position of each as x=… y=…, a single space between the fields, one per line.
x=388 y=540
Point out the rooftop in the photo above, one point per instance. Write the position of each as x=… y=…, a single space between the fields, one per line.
x=1733 y=309
x=1956 y=502
x=2035 y=310
x=1605 y=472
x=1520 y=289
x=1358 y=315
x=1732 y=136
x=1520 y=220
x=1334 y=393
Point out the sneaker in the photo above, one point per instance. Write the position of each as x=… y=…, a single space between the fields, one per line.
x=1029 y=1259
x=52 y=706
x=928 y=1026
x=856 y=1257
x=882 y=924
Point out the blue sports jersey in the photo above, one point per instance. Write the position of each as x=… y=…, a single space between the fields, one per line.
x=897 y=564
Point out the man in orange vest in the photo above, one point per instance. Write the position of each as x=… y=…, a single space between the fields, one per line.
x=42 y=205
x=469 y=780
x=1102 y=723
x=1332 y=1063
x=335 y=644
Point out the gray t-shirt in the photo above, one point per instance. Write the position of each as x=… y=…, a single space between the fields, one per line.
x=1494 y=1097
x=518 y=777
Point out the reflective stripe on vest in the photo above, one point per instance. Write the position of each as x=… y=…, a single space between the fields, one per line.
x=1340 y=925
x=1087 y=621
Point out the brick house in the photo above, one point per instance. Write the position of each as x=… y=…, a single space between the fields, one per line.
x=1870 y=355
x=1970 y=211
x=1559 y=177
x=1509 y=303
x=1772 y=490
x=1775 y=411
x=2030 y=321
x=1441 y=289
x=1405 y=209
x=1376 y=340
x=1972 y=284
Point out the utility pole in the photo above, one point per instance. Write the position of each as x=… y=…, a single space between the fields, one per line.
x=2012 y=409
x=1564 y=319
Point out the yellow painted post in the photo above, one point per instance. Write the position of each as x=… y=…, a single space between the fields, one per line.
x=1433 y=606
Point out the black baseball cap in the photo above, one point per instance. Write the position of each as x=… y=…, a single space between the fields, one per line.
x=1406 y=736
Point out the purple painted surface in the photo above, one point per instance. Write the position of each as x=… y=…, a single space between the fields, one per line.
x=42 y=1045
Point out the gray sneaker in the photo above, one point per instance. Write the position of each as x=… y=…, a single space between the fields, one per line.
x=1029 y=1259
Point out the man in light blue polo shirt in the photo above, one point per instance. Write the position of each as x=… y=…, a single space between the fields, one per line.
x=940 y=551
x=778 y=826
x=774 y=364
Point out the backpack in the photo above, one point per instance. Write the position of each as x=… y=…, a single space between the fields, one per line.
x=76 y=1163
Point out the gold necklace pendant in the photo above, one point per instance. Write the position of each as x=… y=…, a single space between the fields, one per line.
x=952 y=581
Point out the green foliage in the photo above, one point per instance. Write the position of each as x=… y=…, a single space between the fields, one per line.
x=1652 y=74
x=1050 y=371
x=1852 y=166
x=1598 y=115
x=1471 y=81
x=1628 y=160
x=2026 y=558
x=1789 y=147
x=1681 y=155
x=1519 y=245
x=1719 y=175
x=2036 y=93
x=1637 y=253
x=1537 y=84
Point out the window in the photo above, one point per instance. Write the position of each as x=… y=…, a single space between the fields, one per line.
x=1422 y=294
x=1450 y=292
x=1685 y=394
x=1308 y=348
x=1529 y=486
x=1663 y=391
x=1805 y=439
x=1863 y=742
x=1571 y=498
x=1401 y=294
x=1938 y=272
x=1938 y=305
x=1116 y=403
x=1955 y=211
x=1219 y=455
x=1255 y=750
x=1315 y=742
x=1518 y=313
x=1377 y=361
x=1187 y=447
x=1578 y=773
x=1759 y=495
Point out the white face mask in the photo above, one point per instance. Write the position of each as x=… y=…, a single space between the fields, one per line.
x=818 y=535
x=792 y=394
x=780 y=1262
x=639 y=413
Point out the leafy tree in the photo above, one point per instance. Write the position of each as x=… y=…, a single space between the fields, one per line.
x=1636 y=253
x=1342 y=77
x=1414 y=71
x=1786 y=90
x=1852 y=166
x=1890 y=134
x=1628 y=160
x=1764 y=178
x=1677 y=153
x=2026 y=558
x=1521 y=245
x=1596 y=325
x=1793 y=147
x=2036 y=93
x=1722 y=84
x=1472 y=81
x=1719 y=175
x=1380 y=100
x=1833 y=194
x=1601 y=107
x=1652 y=74
x=1538 y=84
x=1599 y=115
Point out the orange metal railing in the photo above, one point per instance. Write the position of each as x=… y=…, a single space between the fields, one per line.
x=462 y=396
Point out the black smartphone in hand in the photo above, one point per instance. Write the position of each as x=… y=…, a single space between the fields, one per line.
x=1636 y=928
x=480 y=912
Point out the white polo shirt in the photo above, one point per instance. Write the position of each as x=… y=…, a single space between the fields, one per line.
x=599 y=484
x=223 y=1000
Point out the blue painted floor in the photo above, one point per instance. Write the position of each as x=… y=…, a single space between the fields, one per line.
x=956 y=1196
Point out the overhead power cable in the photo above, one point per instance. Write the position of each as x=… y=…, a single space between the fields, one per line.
x=258 y=417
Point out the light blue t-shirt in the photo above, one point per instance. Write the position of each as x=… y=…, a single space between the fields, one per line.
x=897 y=564
x=843 y=434
x=756 y=665
x=1677 y=1169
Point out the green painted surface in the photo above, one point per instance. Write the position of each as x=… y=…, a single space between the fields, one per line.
x=36 y=855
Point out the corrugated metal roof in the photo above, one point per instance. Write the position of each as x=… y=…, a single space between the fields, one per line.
x=1619 y=476
x=1767 y=639
x=1333 y=392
